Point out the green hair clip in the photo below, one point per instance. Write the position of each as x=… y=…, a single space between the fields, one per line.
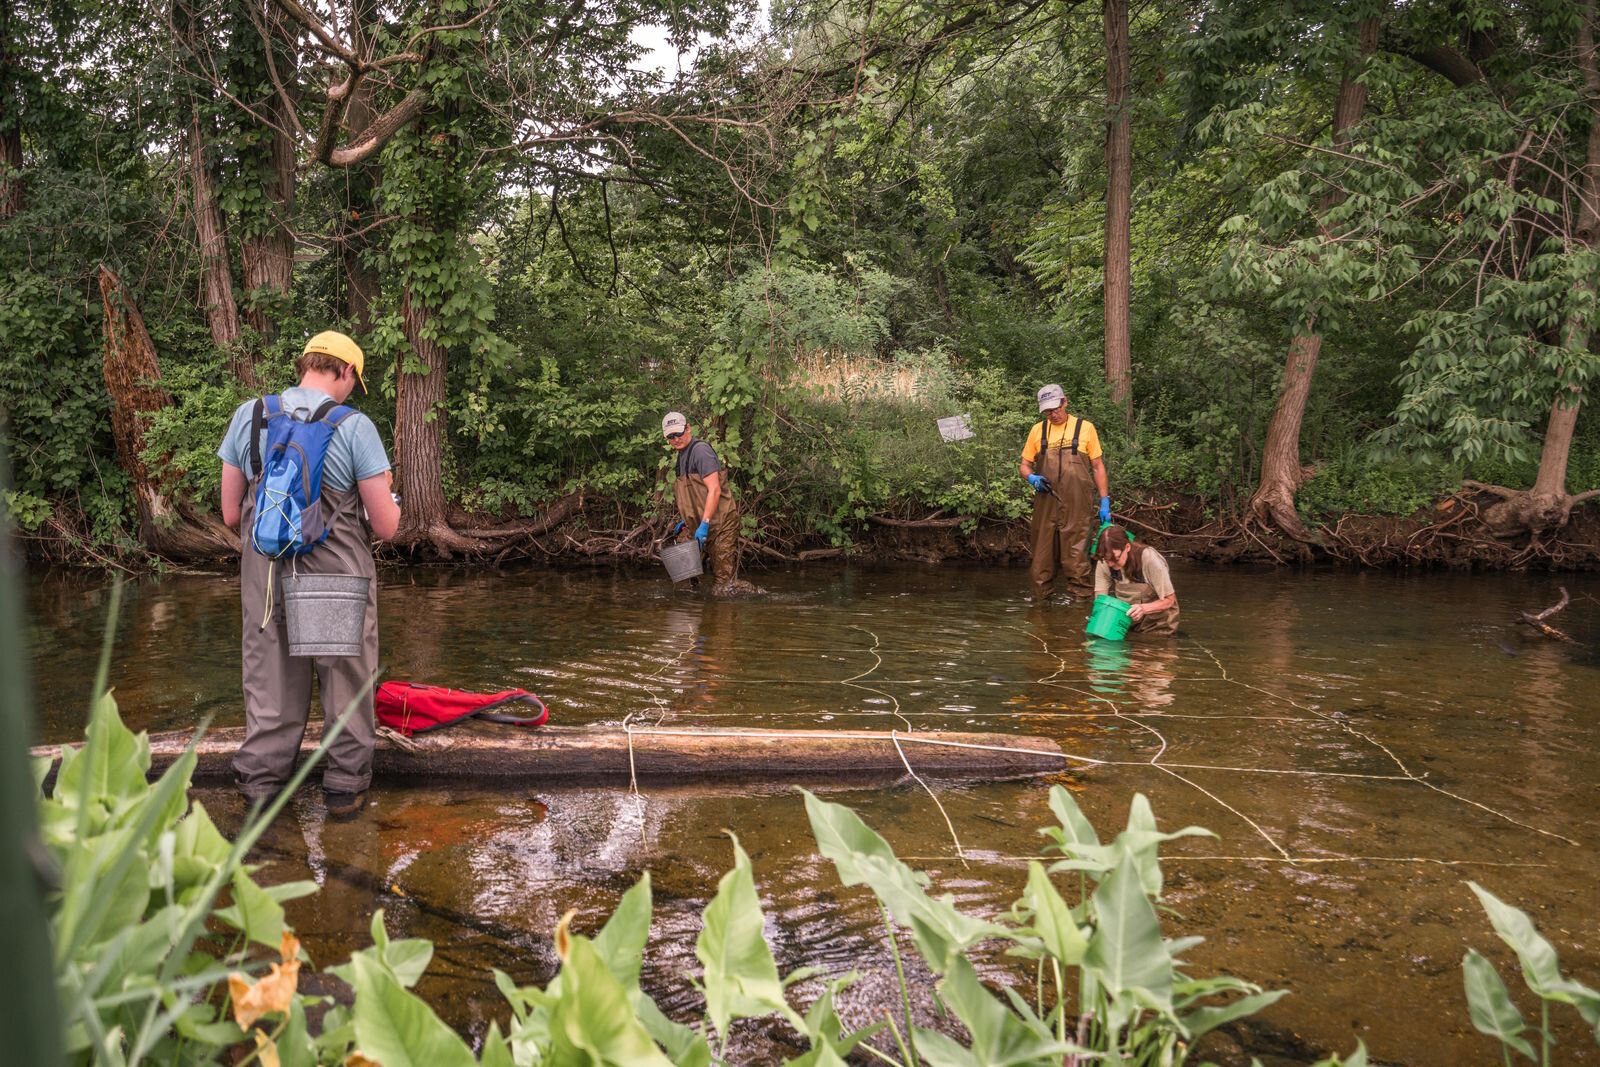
x=1094 y=546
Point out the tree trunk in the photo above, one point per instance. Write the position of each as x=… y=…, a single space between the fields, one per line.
x=1119 y=193
x=10 y=123
x=132 y=373
x=1548 y=506
x=216 y=273
x=1281 y=473
x=360 y=277
x=419 y=428
x=266 y=251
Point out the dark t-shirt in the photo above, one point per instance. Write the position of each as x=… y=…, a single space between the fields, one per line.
x=699 y=458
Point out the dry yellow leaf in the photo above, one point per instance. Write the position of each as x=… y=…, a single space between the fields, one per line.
x=564 y=935
x=356 y=1059
x=267 y=1050
x=274 y=992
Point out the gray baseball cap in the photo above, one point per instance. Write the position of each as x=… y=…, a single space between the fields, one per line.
x=1051 y=397
x=675 y=422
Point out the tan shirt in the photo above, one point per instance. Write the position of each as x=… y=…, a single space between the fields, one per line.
x=1155 y=572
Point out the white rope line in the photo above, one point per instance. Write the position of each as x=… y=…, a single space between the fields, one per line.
x=932 y=795
x=1249 y=821
x=662 y=712
x=1297 y=861
x=1398 y=762
x=877 y=662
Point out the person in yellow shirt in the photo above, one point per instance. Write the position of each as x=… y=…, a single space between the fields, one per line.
x=1061 y=461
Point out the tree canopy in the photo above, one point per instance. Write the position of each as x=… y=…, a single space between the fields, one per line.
x=1297 y=259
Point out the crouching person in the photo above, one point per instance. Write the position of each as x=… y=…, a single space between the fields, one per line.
x=305 y=443
x=1136 y=574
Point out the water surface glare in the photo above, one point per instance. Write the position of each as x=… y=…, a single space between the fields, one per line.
x=1361 y=743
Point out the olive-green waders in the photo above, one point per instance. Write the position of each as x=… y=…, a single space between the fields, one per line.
x=1062 y=517
x=1132 y=591
x=277 y=686
x=690 y=492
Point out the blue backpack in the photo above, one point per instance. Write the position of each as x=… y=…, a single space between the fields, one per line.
x=288 y=466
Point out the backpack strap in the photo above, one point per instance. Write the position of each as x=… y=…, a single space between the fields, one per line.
x=258 y=423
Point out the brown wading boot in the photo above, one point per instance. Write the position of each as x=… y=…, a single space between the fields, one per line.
x=736 y=587
x=342 y=807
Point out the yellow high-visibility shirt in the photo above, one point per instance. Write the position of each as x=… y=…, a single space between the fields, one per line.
x=1061 y=436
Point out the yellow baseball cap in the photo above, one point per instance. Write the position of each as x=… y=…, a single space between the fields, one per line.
x=335 y=344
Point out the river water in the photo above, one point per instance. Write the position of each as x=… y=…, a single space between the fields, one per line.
x=1363 y=744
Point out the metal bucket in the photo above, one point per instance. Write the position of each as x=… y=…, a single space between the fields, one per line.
x=682 y=560
x=325 y=613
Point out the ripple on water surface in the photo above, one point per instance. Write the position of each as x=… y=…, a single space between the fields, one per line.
x=1361 y=743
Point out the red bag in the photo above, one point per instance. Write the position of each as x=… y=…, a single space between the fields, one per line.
x=408 y=708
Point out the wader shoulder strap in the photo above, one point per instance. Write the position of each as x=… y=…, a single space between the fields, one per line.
x=1044 y=436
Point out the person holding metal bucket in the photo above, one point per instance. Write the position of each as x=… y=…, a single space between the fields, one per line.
x=706 y=508
x=1061 y=461
x=308 y=484
x=1138 y=575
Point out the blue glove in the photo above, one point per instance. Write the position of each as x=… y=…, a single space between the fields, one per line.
x=700 y=533
x=676 y=530
x=1038 y=483
x=1105 y=510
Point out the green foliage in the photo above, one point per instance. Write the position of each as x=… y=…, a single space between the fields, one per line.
x=1490 y=1004
x=1132 y=1000
x=1358 y=483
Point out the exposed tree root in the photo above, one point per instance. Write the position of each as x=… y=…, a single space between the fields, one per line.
x=1521 y=511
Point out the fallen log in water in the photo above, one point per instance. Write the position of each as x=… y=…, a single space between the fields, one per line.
x=601 y=755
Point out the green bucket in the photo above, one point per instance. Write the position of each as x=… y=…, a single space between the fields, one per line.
x=1108 y=618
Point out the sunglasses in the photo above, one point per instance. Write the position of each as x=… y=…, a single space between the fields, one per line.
x=675 y=436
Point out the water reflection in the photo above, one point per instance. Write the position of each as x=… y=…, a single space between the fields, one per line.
x=1292 y=689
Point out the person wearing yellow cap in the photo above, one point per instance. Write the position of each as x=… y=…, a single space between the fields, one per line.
x=356 y=504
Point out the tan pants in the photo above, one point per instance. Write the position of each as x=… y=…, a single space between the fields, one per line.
x=1061 y=523
x=277 y=686
x=722 y=542
x=1162 y=623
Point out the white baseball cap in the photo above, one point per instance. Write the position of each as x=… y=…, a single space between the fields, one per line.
x=675 y=422
x=1051 y=397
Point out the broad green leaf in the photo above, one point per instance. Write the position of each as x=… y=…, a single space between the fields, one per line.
x=741 y=978
x=1489 y=1004
x=199 y=848
x=685 y=1046
x=253 y=912
x=113 y=760
x=405 y=959
x=496 y=1049
x=592 y=1024
x=864 y=858
x=397 y=1028
x=1075 y=826
x=40 y=767
x=295 y=1045
x=847 y=841
x=1540 y=968
x=825 y=1031
x=1205 y=1019
x=1052 y=918
x=621 y=942
x=1126 y=953
x=1000 y=1038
